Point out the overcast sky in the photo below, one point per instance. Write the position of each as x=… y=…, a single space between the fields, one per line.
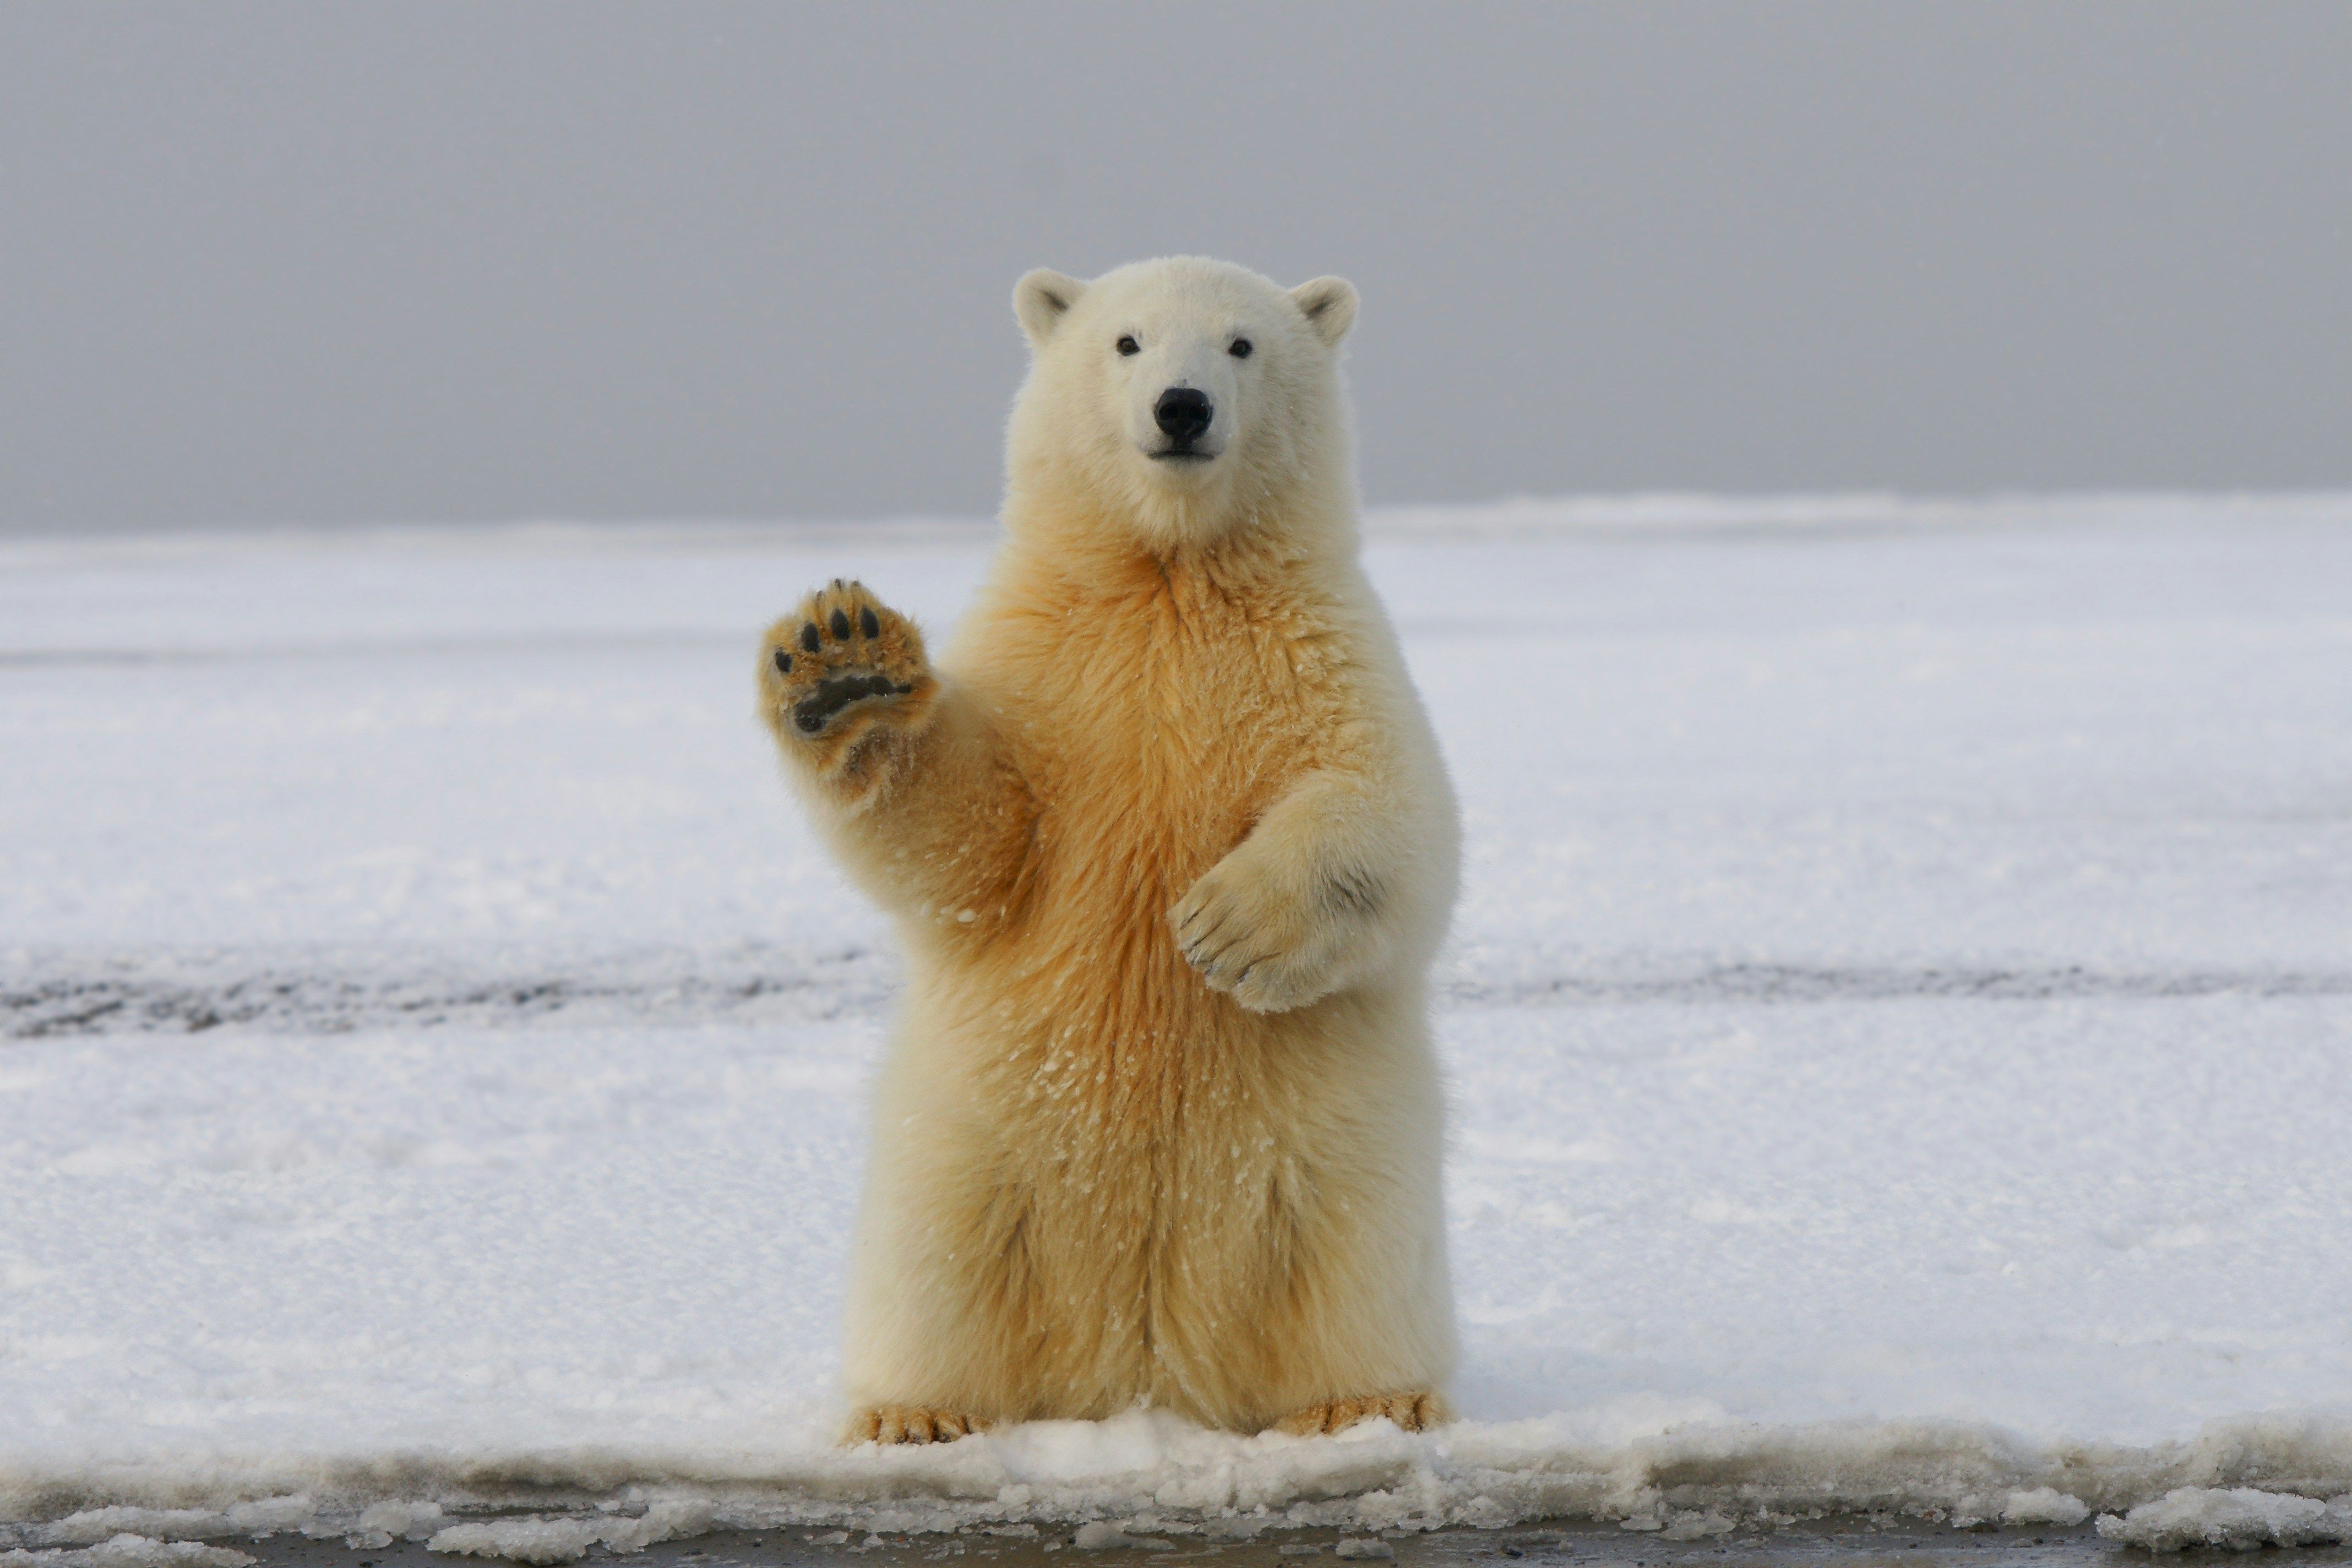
x=318 y=263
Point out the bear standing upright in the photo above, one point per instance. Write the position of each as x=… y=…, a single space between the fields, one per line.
x=1170 y=846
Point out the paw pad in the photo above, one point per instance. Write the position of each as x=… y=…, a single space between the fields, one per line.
x=812 y=712
x=874 y=657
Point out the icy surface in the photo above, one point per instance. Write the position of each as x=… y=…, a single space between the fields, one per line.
x=1899 y=1020
x=128 y=1551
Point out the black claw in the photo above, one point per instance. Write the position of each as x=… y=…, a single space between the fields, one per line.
x=840 y=627
x=784 y=662
x=808 y=638
x=868 y=622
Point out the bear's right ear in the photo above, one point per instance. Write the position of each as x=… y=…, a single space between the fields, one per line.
x=1041 y=299
x=1330 y=306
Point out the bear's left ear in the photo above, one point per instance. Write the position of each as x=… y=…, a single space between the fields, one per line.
x=1330 y=304
x=1041 y=299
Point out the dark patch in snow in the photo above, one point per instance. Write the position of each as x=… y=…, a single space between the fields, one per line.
x=1791 y=982
x=336 y=993
x=190 y=995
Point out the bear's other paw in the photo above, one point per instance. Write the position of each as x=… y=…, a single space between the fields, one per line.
x=838 y=668
x=911 y=1424
x=1254 y=937
x=1412 y=1412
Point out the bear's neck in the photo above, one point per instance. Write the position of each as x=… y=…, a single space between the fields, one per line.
x=1084 y=532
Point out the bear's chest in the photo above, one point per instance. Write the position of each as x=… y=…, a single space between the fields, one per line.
x=1154 y=735
x=1178 y=734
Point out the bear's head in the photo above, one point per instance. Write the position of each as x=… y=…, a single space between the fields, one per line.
x=1183 y=398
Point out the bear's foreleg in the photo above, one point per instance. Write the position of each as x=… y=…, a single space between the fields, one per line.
x=1327 y=890
x=903 y=769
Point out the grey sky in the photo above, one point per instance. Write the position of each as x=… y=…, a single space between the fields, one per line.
x=302 y=262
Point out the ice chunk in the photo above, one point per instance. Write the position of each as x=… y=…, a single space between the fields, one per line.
x=128 y=1551
x=543 y=1540
x=98 y=1524
x=1697 y=1527
x=400 y=1521
x=266 y=1515
x=663 y=1521
x=1097 y=1536
x=520 y=1540
x=2239 y=1519
x=2043 y=1505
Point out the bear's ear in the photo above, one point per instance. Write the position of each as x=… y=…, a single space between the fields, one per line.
x=1330 y=304
x=1041 y=299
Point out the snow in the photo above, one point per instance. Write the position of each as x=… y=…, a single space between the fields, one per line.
x=1897 y=1022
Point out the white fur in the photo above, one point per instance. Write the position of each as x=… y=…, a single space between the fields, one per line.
x=1171 y=852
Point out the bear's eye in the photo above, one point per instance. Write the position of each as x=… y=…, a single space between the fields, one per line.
x=1128 y=347
x=1241 y=349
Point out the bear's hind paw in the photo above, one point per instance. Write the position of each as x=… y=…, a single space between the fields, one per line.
x=1412 y=1412
x=911 y=1424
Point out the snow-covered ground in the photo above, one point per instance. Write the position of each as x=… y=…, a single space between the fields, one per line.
x=1899 y=1018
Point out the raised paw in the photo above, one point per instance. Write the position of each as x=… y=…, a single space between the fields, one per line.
x=911 y=1424
x=1412 y=1412
x=840 y=665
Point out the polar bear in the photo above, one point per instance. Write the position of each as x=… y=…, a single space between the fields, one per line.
x=1169 y=842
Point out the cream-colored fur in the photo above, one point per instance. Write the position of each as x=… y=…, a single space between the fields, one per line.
x=1170 y=846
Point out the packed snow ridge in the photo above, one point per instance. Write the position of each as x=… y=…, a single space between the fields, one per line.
x=1147 y=1474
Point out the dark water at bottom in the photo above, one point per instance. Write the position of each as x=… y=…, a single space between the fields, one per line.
x=1846 y=1544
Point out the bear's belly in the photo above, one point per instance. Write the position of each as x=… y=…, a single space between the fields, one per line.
x=1095 y=1001
x=1167 y=1152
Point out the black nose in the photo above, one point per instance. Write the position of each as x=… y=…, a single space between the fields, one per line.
x=1183 y=413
